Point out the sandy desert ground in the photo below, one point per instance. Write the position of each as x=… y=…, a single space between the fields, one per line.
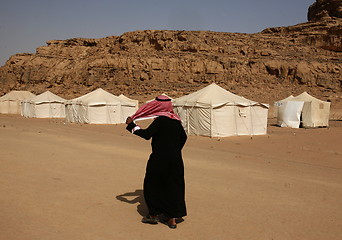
x=71 y=181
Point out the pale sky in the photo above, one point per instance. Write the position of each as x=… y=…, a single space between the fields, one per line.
x=28 y=24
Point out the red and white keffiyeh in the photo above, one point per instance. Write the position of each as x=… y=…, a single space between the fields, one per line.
x=161 y=106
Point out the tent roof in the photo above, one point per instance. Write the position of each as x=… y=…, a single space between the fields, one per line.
x=213 y=96
x=287 y=99
x=123 y=97
x=47 y=97
x=101 y=97
x=305 y=97
x=278 y=103
x=17 y=95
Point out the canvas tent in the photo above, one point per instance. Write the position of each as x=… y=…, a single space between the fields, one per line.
x=216 y=112
x=11 y=102
x=127 y=111
x=100 y=107
x=304 y=110
x=124 y=98
x=45 y=105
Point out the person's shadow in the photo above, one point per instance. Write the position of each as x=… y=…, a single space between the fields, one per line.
x=138 y=197
x=135 y=197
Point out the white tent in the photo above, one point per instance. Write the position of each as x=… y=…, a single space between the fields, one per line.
x=45 y=105
x=11 y=102
x=216 y=112
x=123 y=97
x=100 y=107
x=303 y=109
x=128 y=111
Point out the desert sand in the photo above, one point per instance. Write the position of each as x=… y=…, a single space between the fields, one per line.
x=70 y=181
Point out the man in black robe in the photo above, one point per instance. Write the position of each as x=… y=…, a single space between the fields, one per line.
x=164 y=185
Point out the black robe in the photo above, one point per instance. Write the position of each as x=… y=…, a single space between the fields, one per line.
x=164 y=185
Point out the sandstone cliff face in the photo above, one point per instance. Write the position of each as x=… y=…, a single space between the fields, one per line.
x=323 y=9
x=266 y=66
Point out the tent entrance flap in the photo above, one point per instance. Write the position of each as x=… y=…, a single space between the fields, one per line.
x=289 y=114
x=244 y=122
x=223 y=121
x=199 y=121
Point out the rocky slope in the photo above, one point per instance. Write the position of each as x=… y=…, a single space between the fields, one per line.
x=266 y=66
x=325 y=9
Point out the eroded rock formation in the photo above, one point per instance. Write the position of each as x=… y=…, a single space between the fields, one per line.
x=325 y=9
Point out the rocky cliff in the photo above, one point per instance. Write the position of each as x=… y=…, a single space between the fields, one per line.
x=265 y=66
x=325 y=9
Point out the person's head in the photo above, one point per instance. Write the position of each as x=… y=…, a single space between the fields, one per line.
x=160 y=106
x=163 y=103
x=163 y=98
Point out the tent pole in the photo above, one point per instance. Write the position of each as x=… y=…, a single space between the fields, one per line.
x=235 y=113
x=211 y=121
x=250 y=111
x=188 y=120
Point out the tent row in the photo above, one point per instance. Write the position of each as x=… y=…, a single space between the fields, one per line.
x=96 y=107
x=216 y=112
x=211 y=111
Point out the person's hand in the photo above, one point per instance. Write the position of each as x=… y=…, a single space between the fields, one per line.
x=129 y=120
